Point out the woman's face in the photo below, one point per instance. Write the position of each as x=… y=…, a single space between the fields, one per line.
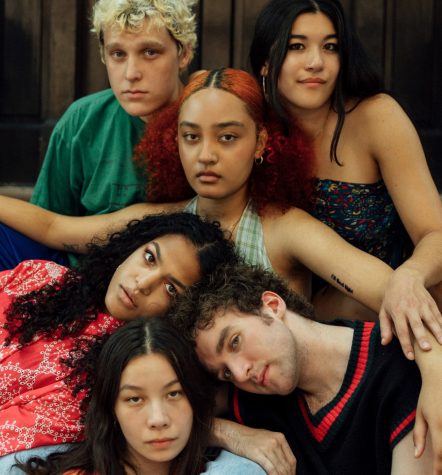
x=311 y=66
x=153 y=412
x=218 y=142
x=147 y=282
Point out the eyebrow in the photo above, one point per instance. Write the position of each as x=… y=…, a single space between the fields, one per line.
x=220 y=125
x=304 y=37
x=143 y=45
x=173 y=279
x=222 y=338
x=133 y=387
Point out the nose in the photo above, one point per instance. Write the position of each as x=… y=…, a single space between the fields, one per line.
x=147 y=281
x=157 y=415
x=208 y=153
x=133 y=71
x=314 y=61
x=241 y=370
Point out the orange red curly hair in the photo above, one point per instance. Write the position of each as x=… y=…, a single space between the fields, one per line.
x=283 y=180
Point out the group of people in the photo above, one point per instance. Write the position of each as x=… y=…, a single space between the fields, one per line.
x=247 y=212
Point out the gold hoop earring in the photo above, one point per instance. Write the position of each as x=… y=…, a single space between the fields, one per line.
x=264 y=85
x=259 y=160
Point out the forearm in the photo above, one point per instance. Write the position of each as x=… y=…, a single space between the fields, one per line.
x=362 y=277
x=268 y=449
x=26 y=218
x=73 y=233
x=429 y=362
x=426 y=260
x=70 y=233
x=224 y=433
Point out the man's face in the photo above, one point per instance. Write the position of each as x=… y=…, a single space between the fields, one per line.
x=255 y=353
x=143 y=68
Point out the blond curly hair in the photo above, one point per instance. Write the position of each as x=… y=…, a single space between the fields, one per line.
x=176 y=16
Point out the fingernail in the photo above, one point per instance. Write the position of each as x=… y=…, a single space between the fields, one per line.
x=410 y=355
x=383 y=341
x=439 y=339
x=425 y=345
x=416 y=451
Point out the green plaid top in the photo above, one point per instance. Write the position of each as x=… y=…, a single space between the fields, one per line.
x=249 y=236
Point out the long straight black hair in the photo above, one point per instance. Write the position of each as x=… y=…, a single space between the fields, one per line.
x=104 y=449
x=357 y=76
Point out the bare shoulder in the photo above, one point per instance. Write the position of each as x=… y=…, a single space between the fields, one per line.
x=384 y=124
x=289 y=226
x=377 y=108
x=275 y=217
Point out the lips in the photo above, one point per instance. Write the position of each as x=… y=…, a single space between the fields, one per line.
x=127 y=297
x=161 y=443
x=134 y=94
x=263 y=376
x=312 y=81
x=208 y=177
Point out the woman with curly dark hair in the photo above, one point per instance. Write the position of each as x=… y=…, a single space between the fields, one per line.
x=46 y=309
x=150 y=409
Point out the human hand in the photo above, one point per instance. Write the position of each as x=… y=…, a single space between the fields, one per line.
x=406 y=306
x=429 y=417
x=268 y=449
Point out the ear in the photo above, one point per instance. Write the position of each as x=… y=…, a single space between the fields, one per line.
x=261 y=142
x=274 y=304
x=184 y=57
x=265 y=69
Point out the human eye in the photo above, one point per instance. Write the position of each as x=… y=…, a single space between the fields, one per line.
x=149 y=257
x=190 y=137
x=171 y=289
x=234 y=343
x=117 y=54
x=150 y=53
x=296 y=46
x=228 y=138
x=226 y=374
x=175 y=395
x=332 y=47
x=133 y=400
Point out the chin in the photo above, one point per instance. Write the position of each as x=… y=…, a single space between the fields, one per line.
x=138 y=110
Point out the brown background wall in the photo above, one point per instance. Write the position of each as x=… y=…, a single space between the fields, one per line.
x=49 y=58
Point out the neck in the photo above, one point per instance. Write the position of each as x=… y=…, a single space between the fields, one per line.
x=227 y=210
x=312 y=122
x=323 y=353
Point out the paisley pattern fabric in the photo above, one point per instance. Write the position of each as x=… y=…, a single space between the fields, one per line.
x=36 y=406
x=364 y=215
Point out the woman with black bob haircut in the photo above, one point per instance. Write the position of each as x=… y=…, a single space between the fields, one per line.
x=47 y=312
x=150 y=409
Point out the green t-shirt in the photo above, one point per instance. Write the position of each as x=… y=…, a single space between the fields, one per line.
x=88 y=168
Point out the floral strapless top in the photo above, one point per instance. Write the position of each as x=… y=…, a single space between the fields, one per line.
x=364 y=215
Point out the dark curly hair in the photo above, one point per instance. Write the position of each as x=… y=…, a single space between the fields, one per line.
x=68 y=305
x=104 y=449
x=232 y=286
x=357 y=76
x=284 y=177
